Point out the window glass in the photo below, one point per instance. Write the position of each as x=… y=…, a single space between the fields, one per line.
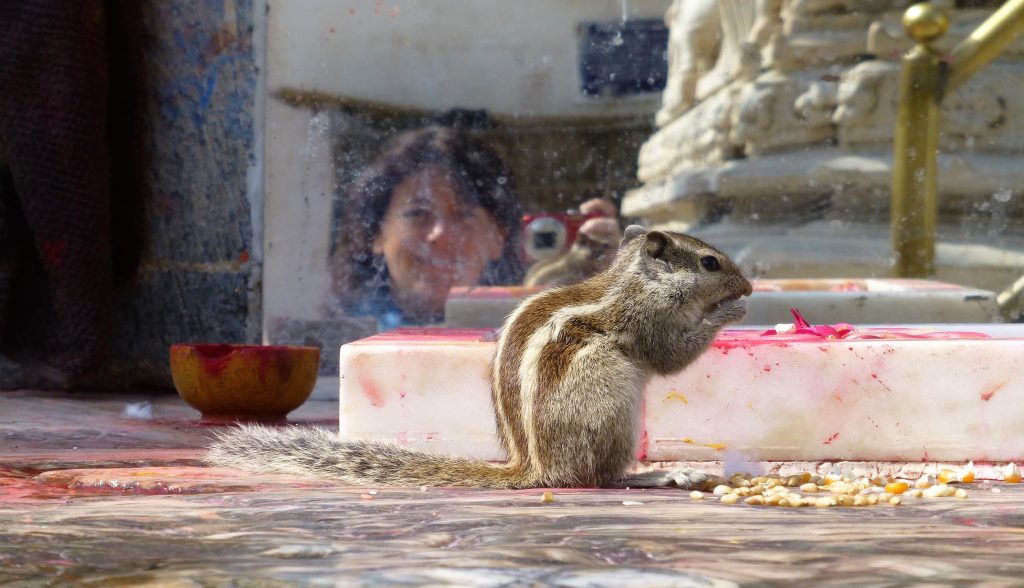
x=417 y=147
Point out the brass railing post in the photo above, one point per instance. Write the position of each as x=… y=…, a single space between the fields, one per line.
x=925 y=79
x=914 y=200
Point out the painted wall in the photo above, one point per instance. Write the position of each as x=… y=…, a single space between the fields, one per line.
x=200 y=274
x=506 y=57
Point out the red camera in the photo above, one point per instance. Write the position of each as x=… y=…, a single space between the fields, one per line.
x=549 y=234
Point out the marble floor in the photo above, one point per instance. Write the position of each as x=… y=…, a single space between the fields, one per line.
x=93 y=495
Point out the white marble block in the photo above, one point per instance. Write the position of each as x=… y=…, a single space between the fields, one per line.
x=784 y=397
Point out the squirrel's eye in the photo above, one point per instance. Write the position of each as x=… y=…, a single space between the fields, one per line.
x=710 y=263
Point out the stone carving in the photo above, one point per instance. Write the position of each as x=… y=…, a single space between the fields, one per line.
x=775 y=103
x=693 y=43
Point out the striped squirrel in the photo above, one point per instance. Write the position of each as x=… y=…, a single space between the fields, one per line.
x=566 y=381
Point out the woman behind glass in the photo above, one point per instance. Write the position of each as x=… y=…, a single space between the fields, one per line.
x=437 y=209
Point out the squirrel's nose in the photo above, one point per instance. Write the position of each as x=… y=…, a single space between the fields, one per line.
x=745 y=288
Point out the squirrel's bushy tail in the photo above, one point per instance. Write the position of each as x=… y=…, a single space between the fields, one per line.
x=314 y=451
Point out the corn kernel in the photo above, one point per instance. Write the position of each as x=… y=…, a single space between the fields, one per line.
x=825 y=502
x=916 y=493
x=895 y=501
x=730 y=498
x=925 y=481
x=860 y=500
x=712 y=482
x=947 y=476
x=872 y=499
x=757 y=500
x=722 y=489
x=1011 y=473
x=845 y=500
x=968 y=475
x=960 y=493
x=548 y=496
x=696 y=495
x=808 y=487
x=896 y=487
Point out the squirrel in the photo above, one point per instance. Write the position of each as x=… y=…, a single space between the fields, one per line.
x=589 y=255
x=566 y=380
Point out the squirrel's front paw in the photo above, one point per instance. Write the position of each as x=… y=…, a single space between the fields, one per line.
x=729 y=311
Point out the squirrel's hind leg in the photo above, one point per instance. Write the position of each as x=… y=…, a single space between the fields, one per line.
x=685 y=479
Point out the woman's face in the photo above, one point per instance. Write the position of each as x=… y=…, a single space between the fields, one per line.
x=432 y=240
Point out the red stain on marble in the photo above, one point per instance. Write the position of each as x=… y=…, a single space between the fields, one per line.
x=430 y=335
x=372 y=392
x=986 y=396
x=831 y=438
x=644 y=445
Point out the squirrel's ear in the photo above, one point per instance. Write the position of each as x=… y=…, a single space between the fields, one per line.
x=656 y=243
x=632 y=232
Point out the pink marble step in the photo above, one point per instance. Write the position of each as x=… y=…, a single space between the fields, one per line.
x=893 y=394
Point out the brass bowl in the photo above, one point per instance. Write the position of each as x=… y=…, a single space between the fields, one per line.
x=248 y=383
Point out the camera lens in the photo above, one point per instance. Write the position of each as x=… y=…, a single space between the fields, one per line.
x=545 y=240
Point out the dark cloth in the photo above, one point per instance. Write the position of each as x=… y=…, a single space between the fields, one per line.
x=53 y=132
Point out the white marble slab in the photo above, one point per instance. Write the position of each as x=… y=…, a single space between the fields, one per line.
x=748 y=397
x=849 y=300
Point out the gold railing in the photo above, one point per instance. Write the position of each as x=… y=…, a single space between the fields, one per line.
x=926 y=78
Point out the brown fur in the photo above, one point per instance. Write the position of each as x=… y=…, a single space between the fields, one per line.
x=566 y=380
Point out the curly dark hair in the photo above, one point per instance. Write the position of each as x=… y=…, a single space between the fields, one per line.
x=481 y=178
